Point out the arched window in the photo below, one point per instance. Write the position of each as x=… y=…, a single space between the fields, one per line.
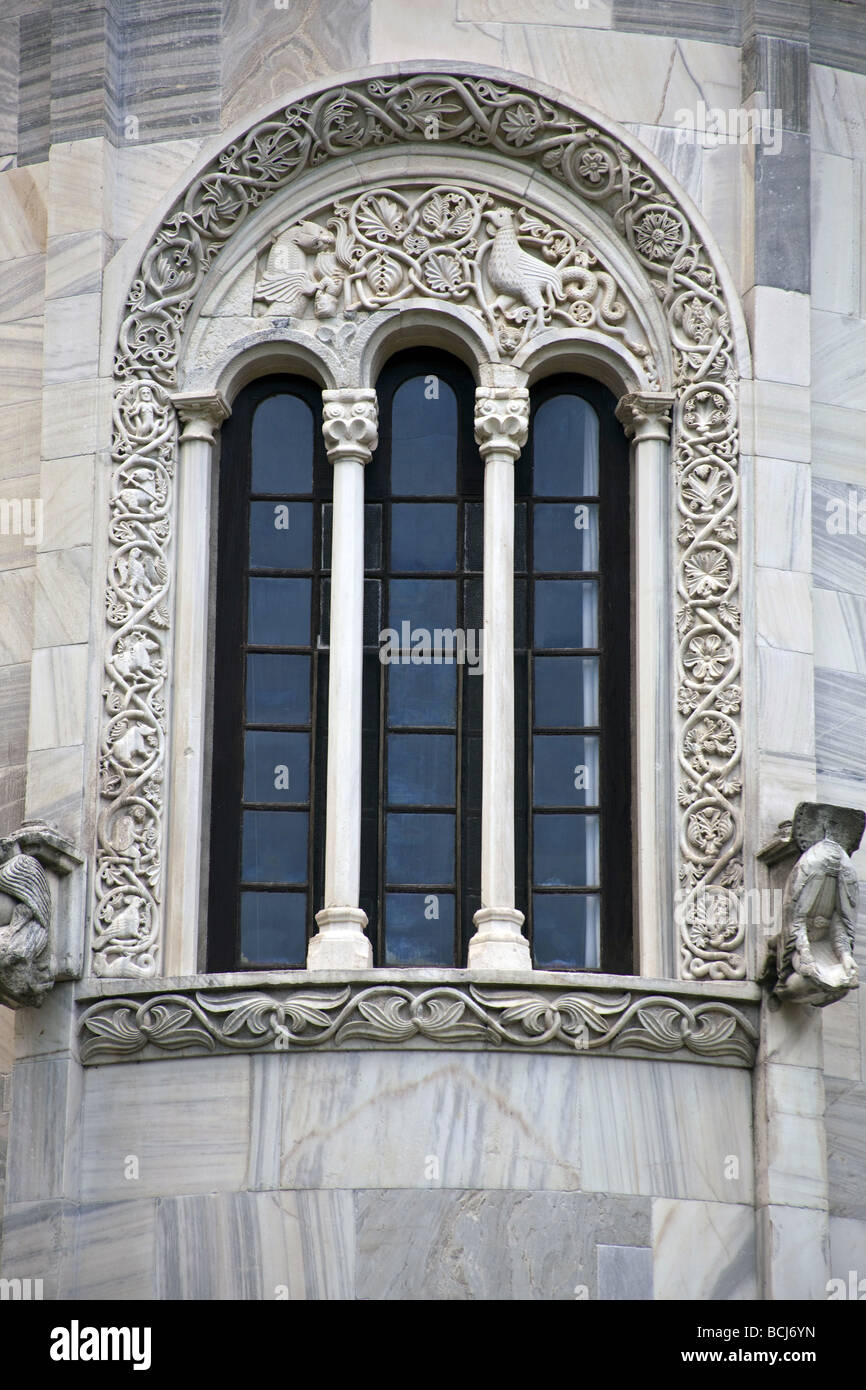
x=572 y=665
x=420 y=846
x=270 y=678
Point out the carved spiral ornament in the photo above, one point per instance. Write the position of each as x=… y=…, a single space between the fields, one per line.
x=434 y=243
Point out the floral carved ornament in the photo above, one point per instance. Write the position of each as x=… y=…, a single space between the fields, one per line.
x=521 y=275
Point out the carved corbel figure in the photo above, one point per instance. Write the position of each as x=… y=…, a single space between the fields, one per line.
x=27 y=968
x=811 y=960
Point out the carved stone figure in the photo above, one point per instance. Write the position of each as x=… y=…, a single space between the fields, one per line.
x=811 y=960
x=25 y=920
x=518 y=276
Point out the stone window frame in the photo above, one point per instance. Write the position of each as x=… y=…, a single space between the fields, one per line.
x=625 y=201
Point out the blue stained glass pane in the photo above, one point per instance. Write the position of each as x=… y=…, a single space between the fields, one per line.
x=274 y=847
x=424 y=439
x=273 y=928
x=566 y=613
x=422 y=695
x=424 y=603
x=419 y=929
x=279 y=614
x=566 y=692
x=278 y=689
x=565 y=931
x=421 y=769
x=565 y=537
x=276 y=767
x=565 y=851
x=423 y=536
x=565 y=770
x=281 y=535
x=283 y=446
x=420 y=848
x=565 y=449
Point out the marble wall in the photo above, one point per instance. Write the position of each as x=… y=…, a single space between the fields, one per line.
x=386 y=1175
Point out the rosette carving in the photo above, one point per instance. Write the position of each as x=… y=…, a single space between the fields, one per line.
x=521 y=274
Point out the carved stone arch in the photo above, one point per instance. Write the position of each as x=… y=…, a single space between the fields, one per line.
x=596 y=165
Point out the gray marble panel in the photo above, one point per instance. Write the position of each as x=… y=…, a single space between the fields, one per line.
x=14 y=713
x=846 y=1147
x=13 y=788
x=36 y=1238
x=718 y=21
x=422 y=1119
x=838 y=548
x=782 y=233
x=267 y=50
x=8 y=85
x=187 y=1125
x=22 y=288
x=171 y=80
x=34 y=88
x=474 y=1245
x=704 y=1250
x=37 y=1135
x=111 y=1252
x=255 y=1245
x=780 y=69
x=625 y=1272
x=847 y=1249
x=787 y=18
x=650 y=1128
x=840 y=724
x=85 y=69
x=838 y=35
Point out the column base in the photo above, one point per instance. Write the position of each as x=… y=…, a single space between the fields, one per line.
x=340 y=943
x=498 y=943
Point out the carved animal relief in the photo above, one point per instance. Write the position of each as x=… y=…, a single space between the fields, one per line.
x=517 y=272
x=811 y=960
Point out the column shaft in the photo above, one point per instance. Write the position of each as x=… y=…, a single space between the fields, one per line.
x=349 y=426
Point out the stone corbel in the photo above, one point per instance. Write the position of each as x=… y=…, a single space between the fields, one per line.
x=811 y=959
x=36 y=943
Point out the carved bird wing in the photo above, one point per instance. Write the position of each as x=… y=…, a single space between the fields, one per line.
x=285 y=286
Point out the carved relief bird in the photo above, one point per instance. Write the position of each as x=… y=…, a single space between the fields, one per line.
x=518 y=275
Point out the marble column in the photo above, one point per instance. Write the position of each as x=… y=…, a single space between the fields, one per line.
x=201 y=416
x=646 y=418
x=350 y=429
x=501 y=422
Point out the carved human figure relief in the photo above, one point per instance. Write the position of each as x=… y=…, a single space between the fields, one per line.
x=25 y=922
x=811 y=960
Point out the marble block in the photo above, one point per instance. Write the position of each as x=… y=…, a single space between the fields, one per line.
x=783 y=537
x=847 y=1250
x=22 y=294
x=784 y=609
x=71 y=339
x=507 y=1246
x=779 y=327
x=625 y=1272
x=846 y=1147
x=20 y=361
x=255 y=1245
x=835 y=234
x=838 y=110
x=838 y=351
x=16 y=615
x=36 y=1239
x=837 y=443
x=20 y=429
x=785 y=702
x=793 y=1253
x=840 y=631
x=464 y=1120
x=704 y=1250
x=111 y=1253
x=56 y=783
x=63 y=596
x=67 y=502
x=59 y=696
x=23 y=217
x=840 y=725
x=187 y=1124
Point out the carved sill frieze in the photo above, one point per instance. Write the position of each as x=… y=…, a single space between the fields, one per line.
x=466 y=1016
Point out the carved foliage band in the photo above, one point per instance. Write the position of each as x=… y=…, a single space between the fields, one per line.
x=552 y=280
x=390 y=1015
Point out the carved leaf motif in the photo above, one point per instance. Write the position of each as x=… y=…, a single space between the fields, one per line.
x=380 y=219
x=443 y=273
x=383 y=275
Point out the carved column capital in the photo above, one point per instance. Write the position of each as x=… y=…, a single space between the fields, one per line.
x=201 y=413
x=646 y=414
x=350 y=420
x=501 y=419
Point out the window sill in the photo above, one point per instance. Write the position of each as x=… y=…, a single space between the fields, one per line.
x=384 y=1010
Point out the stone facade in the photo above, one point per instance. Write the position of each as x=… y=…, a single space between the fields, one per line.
x=403 y=1163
